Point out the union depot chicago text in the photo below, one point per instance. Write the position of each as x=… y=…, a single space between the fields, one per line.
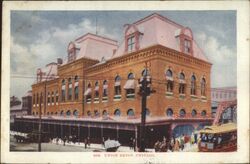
x=94 y=92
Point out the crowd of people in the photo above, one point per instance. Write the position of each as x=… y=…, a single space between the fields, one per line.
x=71 y=139
x=175 y=144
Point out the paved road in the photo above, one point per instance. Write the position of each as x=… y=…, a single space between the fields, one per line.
x=48 y=147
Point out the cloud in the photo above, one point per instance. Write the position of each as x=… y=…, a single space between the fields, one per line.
x=223 y=58
x=50 y=44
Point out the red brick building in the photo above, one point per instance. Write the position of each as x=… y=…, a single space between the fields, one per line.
x=96 y=87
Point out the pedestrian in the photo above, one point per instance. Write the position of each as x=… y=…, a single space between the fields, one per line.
x=64 y=140
x=157 y=146
x=195 y=138
x=131 y=143
x=86 y=143
x=103 y=141
x=176 y=145
x=134 y=145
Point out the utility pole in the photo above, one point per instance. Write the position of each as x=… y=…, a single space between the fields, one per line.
x=40 y=124
x=145 y=91
x=143 y=114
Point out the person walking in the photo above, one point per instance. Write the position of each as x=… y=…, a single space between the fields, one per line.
x=85 y=143
x=64 y=140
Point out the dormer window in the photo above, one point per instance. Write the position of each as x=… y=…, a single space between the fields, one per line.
x=132 y=38
x=131 y=43
x=187 y=46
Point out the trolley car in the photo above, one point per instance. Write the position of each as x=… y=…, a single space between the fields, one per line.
x=218 y=138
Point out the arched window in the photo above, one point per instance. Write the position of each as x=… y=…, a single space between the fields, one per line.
x=130 y=86
x=182 y=113
x=194 y=113
x=182 y=83
x=55 y=113
x=117 y=112
x=104 y=113
x=68 y=113
x=130 y=112
x=76 y=113
x=37 y=99
x=169 y=112
x=105 y=88
x=89 y=113
x=63 y=91
x=170 y=82
x=193 y=85
x=62 y=113
x=131 y=76
x=117 y=87
x=69 y=89
x=76 y=78
x=96 y=113
x=51 y=113
x=145 y=72
x=203 y=87
x=203 y=113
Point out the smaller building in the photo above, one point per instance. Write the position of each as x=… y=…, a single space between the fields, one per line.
x=16 y=110
x=220 y=95
x=27 y=102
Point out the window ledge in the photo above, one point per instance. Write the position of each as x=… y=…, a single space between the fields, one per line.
x=182 y=96
x=169 y=93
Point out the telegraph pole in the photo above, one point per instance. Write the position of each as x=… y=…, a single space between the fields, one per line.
x=40 y=124
x=145 y=91
x=143 y=113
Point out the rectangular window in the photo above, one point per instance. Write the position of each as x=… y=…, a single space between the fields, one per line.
x=63 y=95
x=187 y=46
x=130 y=93
x=56 y=96
x=181 y=88
x=52 y=98
x=70 y=94
x=48 y=98
x=131 y=43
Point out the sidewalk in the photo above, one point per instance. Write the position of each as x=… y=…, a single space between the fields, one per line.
x=99 y=147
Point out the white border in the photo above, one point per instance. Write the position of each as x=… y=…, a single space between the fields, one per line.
x=242 y=155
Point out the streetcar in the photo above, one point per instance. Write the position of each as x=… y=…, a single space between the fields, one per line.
x=218 y=138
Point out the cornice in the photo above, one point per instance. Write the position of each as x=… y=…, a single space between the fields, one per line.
x=152 y=51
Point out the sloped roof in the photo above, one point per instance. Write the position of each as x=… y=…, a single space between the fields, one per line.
x=156 y=29
x=16 y=107
x=94 y=47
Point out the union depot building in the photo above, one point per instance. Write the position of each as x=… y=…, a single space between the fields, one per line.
x=94 y=92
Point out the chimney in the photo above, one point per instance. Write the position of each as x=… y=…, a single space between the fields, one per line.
x=59 y=61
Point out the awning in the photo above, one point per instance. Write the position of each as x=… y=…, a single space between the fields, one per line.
x=96 y=88
x=117 y=83
x=105 y=86
x=182 y=81
x=130 y=84
x=169 y=78
x=76 y=84
x=87 y=92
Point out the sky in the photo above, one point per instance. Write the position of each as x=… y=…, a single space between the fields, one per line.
x=40 y=37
